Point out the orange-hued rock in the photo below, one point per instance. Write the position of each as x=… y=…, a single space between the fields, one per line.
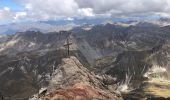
x=81 y=92
x=72 y=81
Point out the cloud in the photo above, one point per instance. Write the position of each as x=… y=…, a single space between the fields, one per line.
x=87 y=12
x=6 y=8
x=50 y=9
x=124 y=7
x=5 y=13
x=19 y=15
x=59 y=9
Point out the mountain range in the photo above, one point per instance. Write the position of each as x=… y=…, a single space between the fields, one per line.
x=68 y=24
x=130 y=54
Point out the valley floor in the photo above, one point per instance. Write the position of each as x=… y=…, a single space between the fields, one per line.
x=153 y=89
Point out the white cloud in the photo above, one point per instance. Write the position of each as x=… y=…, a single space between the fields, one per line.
x=69 y=19
x=50 y=9
x=57 y=9
x=6 y=8
x=75 y=8
x=5 y=13
x=87 y=12
x=28 y=6
x=19 y=15
x=124 y=7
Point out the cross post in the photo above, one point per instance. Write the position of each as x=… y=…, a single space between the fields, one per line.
x=68 y=46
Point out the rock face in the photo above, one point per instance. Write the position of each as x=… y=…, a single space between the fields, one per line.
x=22 y=75
x=31 y=41
x=72 y=81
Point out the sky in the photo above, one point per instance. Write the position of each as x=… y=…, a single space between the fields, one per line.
x=35 y=10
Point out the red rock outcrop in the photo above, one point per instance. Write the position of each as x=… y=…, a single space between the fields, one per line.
x=72 y=81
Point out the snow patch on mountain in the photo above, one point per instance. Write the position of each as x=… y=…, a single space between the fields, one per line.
x=9 y=69
x=155 y=70
x=31 y=44
x=12 y=43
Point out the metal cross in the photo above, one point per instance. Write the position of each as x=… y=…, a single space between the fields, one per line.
x=68 y=46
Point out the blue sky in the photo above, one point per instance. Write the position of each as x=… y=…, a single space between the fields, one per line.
x=11 y=4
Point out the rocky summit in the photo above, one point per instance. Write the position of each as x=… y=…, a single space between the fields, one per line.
x=72 y=81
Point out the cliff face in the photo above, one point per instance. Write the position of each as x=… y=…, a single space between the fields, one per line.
x=72 y=81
